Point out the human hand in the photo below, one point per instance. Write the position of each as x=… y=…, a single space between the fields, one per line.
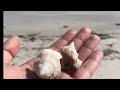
x=85 y=44
x=11 y=47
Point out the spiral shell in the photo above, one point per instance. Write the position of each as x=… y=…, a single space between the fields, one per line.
x=70 y=57
x=48 y=67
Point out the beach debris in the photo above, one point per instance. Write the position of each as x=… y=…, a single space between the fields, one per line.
x=21 y=36
x=118 y=24
x=65 y=26
x=70 y=57
x=48 y=67
x=109 y=51
x=103 y=36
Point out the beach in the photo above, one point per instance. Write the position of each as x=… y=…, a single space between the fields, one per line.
x=38 y=30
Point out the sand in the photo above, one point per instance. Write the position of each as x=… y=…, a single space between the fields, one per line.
x=33 y=41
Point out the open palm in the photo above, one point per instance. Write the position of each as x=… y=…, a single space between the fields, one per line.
x=85 y=44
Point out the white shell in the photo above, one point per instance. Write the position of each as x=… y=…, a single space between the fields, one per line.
x=70 y=57
x=48 y=67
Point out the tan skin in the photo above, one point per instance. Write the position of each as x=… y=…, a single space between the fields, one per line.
x=85 y=44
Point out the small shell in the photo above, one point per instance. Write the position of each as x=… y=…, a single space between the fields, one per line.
x=48 y=67
x=70 y=57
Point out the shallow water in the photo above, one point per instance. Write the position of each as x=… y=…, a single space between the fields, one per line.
x=26 y=21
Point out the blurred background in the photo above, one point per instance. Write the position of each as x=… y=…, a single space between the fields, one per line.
x=39 y=29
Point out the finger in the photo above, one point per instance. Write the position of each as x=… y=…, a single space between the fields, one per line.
x=64 y=40
x=81 y=36
x=86 y=50
x=89 y=66
x=88 y=47
x=11 y=47
x=79 y=39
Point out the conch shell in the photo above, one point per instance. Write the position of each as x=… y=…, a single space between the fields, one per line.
x=48 y=67
x=70 y=57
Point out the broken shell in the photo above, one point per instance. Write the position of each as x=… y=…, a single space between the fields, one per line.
x=70 y=57
x=48 y=67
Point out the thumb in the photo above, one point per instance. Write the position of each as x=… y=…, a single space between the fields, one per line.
x=11 y=47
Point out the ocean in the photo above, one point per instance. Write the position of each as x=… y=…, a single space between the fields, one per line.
x=27 y=21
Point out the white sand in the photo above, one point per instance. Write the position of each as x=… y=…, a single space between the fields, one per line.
x=47 y=33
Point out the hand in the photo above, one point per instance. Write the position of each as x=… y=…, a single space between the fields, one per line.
x=85 y=43
x=11 y=47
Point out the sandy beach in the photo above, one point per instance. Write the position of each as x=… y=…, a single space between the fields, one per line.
x=39 y=30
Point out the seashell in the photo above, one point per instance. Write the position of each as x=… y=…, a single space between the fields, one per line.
x=48 y=67
x=70 y=57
